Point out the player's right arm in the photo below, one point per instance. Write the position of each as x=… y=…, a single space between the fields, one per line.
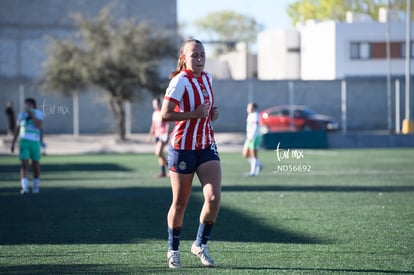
x=168 y=112
x=16 y=135
x=151 y=130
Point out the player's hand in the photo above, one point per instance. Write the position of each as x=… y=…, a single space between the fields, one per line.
x=12 y=148
x=202 y=110
x=214 y=114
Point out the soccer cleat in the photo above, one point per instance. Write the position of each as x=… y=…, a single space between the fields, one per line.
x=36 y=190
x=24 y=191
x=258 y=169
x=174 y=260
x=202 y=253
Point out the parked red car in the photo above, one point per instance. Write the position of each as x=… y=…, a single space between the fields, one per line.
x=294 y=118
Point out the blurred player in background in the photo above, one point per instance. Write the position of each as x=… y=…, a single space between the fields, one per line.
x=159 y=133
x=11 y=118
x=29 y=128
x=253 y=140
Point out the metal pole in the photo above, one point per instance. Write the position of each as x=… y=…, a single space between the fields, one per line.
x=21 y=97
x=75 y=114
x=388 y=54
x=343 y=106
x=291 y=103
x=128 y=121
x=407 y=60
x=19 y=51
x=397 y=107
x=250 y=95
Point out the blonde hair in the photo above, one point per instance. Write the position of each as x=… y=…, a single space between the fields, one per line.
x=180 y=63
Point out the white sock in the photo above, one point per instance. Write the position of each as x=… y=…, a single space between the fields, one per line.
x=258 y=167
x=25 y=184
x=253 y=165
x=36 y=185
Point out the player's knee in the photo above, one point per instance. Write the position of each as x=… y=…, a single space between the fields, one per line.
x=179 y=206
x=213 y=200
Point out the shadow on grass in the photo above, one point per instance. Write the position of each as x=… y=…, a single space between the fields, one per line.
x=325 y=270
x=122 y=215
x=64 y=269
x=66 y=167
x=123 y=269
x=317 y=188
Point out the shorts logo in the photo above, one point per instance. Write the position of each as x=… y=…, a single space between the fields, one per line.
x=182 y=165
x=213 y=147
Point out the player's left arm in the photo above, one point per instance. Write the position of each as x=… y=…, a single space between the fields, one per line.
x=214 y=113
x=151 y=132
x=16 y=135
x=254 y=125
x=37 y=120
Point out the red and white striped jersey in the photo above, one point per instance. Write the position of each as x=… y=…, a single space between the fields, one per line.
x=188 y=92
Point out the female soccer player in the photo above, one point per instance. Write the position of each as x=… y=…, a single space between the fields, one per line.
x=253 y=140
x=29 y=128
x=159 y=131
x=189 y=101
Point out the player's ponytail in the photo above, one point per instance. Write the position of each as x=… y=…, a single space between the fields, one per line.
x=180 y=63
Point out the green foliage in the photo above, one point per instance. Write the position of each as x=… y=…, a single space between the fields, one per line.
x=302 y=10
x=66 y=70
x=229 y=26
x=122 y=59
x=352 y=214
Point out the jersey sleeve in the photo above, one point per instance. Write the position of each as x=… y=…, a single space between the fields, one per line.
x=21 y=116
x=210 y=78
x=175 y=90
x=39 y=115
x=252 y=125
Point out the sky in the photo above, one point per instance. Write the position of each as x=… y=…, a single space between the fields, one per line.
x=270 y=13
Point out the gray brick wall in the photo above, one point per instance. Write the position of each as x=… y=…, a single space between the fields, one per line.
x=367 y=108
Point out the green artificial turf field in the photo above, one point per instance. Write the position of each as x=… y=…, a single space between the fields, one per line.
x=336 y=211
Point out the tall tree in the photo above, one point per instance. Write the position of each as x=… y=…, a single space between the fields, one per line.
x=302 y=10
x=229 y=26
x=120 y=58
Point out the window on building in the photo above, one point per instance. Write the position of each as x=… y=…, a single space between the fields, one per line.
x=379 y=50
x=293 y=50
x=360 y=50
x=403 y=50
x=354 y=50
x=365 y=50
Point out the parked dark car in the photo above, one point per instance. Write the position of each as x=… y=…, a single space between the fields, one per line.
x=294 y=118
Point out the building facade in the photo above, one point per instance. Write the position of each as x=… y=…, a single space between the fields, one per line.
x=333 y=50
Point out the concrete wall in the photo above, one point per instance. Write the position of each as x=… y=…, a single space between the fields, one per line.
x=367 y=105
x=283 y=46
x=318 y=51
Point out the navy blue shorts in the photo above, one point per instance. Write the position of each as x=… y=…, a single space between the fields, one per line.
x=187 y=161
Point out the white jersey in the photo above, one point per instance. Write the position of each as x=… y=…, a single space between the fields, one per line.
x=252 y=125
x=28 y=129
